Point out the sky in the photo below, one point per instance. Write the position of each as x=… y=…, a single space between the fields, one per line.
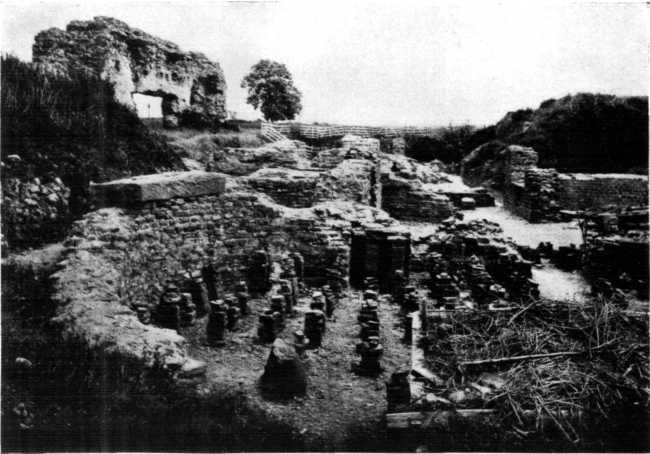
x=387 y=63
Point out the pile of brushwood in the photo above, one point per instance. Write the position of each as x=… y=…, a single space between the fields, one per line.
x=546 y=369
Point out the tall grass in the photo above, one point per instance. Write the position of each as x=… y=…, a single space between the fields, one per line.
x=71 y=127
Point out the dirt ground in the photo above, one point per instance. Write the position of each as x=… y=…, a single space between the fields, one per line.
x=525 y=233
x=337 y=400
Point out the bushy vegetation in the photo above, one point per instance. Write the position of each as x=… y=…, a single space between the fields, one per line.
x=588 y=133
x=580 y=133
x=448 y=146
x=577 y=133
x=72 y=128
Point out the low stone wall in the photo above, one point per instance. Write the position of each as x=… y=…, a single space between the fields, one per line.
x=408 y=200
x=354 y=180
x=539 y=194
x=581 y=191
x=292 y=188
x=351 y=172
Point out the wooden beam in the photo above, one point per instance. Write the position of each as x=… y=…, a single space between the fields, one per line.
x=422 y=419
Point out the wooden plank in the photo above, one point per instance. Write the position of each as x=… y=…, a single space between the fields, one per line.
x=418 y=367
x=422 y=419
x=425 y=373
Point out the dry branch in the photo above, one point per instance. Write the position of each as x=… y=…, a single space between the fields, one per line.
x=483 y=362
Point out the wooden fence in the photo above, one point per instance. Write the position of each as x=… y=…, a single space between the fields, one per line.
x=322 y=131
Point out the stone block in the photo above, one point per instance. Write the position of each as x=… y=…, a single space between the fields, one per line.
x=156 y=187
x=284 y=374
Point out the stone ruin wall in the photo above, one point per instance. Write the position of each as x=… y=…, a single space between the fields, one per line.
x=580 y=191
x=538 y=194
x=169 y=227
x=298 y=176
x=178 y=237
x=351 y=180
x=407 y=201
x=193 y=88
x=154 y=228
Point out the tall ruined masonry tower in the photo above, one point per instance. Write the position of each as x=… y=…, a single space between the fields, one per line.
x=192 y=87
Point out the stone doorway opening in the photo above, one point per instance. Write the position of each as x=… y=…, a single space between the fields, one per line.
x=148 y=107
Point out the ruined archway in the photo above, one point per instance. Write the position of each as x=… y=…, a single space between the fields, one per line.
x=148 y=107
x=167 y=106
x=191 y=86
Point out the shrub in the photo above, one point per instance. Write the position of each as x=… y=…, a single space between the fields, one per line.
x=447 y=146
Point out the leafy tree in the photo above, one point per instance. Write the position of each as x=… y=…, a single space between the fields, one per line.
x=270 y=88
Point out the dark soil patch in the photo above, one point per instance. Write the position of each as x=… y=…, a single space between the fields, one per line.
x=338 y=403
